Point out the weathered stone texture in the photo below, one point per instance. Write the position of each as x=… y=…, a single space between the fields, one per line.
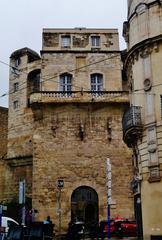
x=3 y=130
x=60 y=153
x=61 y=136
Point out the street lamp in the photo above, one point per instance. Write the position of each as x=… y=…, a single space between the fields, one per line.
x=60 y=185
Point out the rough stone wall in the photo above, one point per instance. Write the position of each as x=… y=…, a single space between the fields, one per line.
x=59 y=152
x=10 y=176
x=3 y=130
x=80 y=38
x=56 y=64
x=3 y=146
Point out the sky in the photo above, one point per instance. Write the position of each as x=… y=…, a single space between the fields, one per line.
x=22 y=21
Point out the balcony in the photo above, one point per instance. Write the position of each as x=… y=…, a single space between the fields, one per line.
x=79 y=97
x=132 y=125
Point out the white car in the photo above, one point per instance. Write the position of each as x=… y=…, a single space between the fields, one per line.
x=8 y=222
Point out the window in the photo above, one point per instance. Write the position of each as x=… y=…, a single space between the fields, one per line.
x=95 y=41
x=161 y=104
x=16 y=87
x=97 y=82
x=15 y=104
x=65 y=82
x=17 y=62
x=65 y=41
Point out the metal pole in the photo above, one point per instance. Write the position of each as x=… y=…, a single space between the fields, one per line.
x=23 y=209
x=108 y=222
x=60 y=211
x=108 y=175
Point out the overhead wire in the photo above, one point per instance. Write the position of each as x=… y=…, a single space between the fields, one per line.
x=56 y=75
x=53 y=77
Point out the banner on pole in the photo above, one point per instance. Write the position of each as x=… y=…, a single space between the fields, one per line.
x=22 y=192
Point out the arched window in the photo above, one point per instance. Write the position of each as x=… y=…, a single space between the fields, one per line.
x=96 y=82
x=33 y=83
x=66 y=82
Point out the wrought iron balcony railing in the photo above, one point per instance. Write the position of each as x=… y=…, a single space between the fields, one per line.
x=132 y=125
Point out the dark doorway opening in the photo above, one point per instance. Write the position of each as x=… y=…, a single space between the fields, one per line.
x=84 y=205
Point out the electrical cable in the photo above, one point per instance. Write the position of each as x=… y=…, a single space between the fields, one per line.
x=56 y=75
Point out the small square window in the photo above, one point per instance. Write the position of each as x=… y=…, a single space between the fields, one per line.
x=16 y=87
x=95 y=41
x=65 y=41
x=15 y=104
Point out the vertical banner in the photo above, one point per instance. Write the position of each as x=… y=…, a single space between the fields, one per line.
x=109 y=183
x=22 y=186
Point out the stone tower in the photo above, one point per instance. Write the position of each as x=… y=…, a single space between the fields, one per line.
x=142 y=126
x=65 y=117
x=23 y=79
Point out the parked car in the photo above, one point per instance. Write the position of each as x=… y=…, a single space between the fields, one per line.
x=128 y=228
x=103 y=228
x=118 y=227
x=78 y=230
x=8 y=222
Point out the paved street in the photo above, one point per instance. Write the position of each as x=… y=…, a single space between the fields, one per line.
x=112 y=238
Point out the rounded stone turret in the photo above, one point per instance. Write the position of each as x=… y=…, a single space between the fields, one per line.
x=144 y=21
x=132 y=4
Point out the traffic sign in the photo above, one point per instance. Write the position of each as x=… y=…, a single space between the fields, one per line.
x=60 y=183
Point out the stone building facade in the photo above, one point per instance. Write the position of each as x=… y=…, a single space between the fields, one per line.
x=65 y=115
x=3 y=130
x=142 y=125
x=3 y=145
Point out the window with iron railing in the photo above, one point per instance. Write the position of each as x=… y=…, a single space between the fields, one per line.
x=132 y=118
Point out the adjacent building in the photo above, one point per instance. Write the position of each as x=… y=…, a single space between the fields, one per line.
x=142 y=123
x=65 y=120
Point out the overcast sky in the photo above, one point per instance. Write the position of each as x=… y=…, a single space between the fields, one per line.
x=22 y=21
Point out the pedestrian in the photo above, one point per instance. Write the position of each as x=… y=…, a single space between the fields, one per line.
x=48 y=220
x=28 y=218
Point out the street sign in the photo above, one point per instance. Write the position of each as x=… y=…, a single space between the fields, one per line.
x=60 y=183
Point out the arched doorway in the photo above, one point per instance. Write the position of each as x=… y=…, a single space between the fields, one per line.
x=84 y=205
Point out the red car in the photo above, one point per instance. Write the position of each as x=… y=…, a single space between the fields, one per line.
x=128 y=228
x=119 y=227
x=103 y=228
